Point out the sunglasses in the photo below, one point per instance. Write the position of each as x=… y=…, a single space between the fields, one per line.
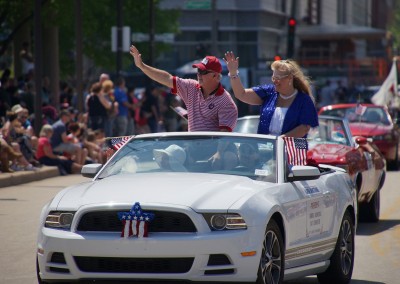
x=203 y=72
x=278 y=78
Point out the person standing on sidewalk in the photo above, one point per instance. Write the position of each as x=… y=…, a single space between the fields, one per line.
x=121 y=120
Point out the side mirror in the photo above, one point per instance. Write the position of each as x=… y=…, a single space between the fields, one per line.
x=91 y=170
x=303 y=173
x=360 y=140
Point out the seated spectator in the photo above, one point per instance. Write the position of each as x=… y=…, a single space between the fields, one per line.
x=7 y=155
x=94 y=143
x=60 y=142
x=13 y=134
x=45 y=154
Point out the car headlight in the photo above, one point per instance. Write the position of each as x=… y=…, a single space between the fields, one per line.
x=219 y=222
x=59 y=219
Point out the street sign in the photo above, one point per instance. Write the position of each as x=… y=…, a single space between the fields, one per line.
x=165 y=37
x=126 y=31
x=198 y=5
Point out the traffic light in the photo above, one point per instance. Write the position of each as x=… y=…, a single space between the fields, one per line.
x=291 y=36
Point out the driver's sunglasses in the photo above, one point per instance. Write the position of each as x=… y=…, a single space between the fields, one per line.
x=203 y=72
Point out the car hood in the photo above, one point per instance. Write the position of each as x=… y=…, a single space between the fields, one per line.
x=328 y=153
x=368 y=129
x=198 y=191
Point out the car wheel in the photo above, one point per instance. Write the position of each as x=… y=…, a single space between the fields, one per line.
x=370 y=211
x=272 y=262
x=342 y=259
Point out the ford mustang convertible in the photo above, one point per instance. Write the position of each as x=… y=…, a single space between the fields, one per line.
x=205 y=206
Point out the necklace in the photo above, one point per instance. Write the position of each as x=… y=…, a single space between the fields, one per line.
x=288 y=97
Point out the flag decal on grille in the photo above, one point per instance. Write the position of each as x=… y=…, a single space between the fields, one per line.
x=135 y=222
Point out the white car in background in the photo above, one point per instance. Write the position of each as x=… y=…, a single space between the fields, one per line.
x=160 y=210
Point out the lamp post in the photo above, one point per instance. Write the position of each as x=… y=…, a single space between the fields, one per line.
x=38 y=65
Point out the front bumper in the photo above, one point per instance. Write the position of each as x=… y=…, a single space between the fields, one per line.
x=59 y=250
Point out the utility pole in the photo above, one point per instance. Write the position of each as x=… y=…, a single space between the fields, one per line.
x=291 y=35
x=38 y=66
x=78 y=55
x=151 y=33
x=214 y=28
x=119 y=37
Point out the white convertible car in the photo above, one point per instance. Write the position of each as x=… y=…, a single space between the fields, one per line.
x=202 y=206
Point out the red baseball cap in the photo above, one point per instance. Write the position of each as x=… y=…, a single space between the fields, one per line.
x=209 y=63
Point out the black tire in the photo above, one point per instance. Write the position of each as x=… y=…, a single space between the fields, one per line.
x=341 y=264
x=370 y=211
x=272 y=263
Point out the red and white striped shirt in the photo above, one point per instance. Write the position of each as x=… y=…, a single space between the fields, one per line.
x=216 y=112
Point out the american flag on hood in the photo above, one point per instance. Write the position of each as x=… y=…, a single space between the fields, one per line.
x=296 y=149
x=135 y=222
x=117 y=142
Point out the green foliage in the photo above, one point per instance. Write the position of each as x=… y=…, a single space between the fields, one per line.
x=98 y=16
x=394 y=28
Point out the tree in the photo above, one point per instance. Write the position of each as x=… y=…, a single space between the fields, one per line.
x=98 y=16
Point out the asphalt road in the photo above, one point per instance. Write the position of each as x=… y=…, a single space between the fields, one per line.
x=377 y=245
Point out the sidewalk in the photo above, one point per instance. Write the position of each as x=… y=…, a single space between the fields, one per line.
x=16 y=178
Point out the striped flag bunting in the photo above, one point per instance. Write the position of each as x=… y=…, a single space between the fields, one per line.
x=296 y=149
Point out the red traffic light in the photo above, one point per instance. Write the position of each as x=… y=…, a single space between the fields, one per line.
x=292 y=22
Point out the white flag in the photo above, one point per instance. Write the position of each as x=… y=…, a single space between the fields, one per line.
x=387 y=94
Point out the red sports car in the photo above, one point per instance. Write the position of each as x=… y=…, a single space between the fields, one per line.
x=332 y=143
x=371 y=121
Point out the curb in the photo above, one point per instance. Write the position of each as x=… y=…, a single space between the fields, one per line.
x=16 y=178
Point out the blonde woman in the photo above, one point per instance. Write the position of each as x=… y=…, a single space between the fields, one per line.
x=107 y=90
x=287 y=105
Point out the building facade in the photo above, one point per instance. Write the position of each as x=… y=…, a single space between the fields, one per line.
x=335 y=38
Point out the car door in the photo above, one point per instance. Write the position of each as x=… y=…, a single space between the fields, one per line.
x=309 y=234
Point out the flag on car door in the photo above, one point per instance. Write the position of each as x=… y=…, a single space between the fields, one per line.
x=296 y=149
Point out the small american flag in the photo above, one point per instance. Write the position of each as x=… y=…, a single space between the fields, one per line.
x=135 y=222
x=117 y=142
x=360 y=109
x=296 y=150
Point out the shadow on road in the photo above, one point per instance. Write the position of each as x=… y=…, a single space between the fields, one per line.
x=314 y=280
x=369 y=229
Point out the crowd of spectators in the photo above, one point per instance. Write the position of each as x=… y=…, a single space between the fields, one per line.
x=68 y=138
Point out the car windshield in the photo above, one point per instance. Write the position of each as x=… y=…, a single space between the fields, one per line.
x=329 y=131
x=243 y=156
x=247 y=125
x=373 y=115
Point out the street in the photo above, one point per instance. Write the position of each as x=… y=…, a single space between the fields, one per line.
x=377 y=245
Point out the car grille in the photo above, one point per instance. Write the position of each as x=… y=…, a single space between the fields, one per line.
x=133 y=265
x=107 y=221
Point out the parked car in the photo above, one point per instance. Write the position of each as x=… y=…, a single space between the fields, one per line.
x=371 y=121
x=332 y=143
x=158 y=209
